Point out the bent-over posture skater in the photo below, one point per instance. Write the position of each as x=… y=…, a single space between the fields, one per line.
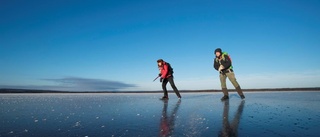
x=166 y=75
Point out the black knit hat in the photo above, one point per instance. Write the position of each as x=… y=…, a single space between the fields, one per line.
x=159 y=60
x=217 y=50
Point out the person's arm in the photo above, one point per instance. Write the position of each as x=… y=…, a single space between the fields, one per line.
x=216 y=64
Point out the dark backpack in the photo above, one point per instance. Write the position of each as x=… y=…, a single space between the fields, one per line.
x=170 y=71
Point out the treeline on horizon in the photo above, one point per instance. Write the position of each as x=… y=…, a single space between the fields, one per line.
x=185 y=91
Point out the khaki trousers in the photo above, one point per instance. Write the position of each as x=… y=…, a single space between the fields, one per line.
x=233 y=80
x=231 y=77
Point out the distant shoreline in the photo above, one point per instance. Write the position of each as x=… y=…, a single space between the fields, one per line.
x=158 y=91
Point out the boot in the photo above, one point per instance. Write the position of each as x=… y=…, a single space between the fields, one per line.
x=225 y=93
x=164 y=98
x=239 y=90
x=225 y=97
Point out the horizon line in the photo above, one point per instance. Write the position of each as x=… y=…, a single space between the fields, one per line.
x=13 y=90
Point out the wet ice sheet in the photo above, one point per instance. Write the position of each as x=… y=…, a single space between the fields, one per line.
x=197 y=114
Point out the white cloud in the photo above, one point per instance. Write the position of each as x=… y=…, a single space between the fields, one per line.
x=76 y=84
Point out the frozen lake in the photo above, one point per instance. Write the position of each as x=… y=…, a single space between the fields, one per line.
x=262 y=114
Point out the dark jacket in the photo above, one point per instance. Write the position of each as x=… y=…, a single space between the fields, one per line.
x=224 y=60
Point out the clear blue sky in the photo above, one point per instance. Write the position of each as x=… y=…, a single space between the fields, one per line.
x=114 y=44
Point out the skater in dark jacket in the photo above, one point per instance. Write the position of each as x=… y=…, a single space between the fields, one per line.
x=166 y=75
x=223 y=64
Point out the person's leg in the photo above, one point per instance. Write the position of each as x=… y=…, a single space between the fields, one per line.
x=223 y=78
x=170 y=79
x=233 y=80
x=164 y=87
x=224 y=84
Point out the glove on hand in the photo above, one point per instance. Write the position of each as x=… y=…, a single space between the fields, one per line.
x=221 y=68
x=161 y=79
x=159 y=75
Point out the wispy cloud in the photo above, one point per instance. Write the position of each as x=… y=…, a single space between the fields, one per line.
x=76 y=84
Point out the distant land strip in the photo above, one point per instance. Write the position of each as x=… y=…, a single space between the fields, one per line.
x=159 y=91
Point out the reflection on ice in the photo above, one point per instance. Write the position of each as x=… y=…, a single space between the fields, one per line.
x=197 y=114
x=167 y=121
x=230 y=128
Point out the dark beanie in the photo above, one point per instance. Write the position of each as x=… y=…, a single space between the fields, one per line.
x=160 y=60
x=217 y=50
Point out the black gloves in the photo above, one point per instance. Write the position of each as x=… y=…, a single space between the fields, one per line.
x=161 y=79
x=159 y=74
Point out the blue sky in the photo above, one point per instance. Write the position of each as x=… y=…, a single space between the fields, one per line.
x=114 y=45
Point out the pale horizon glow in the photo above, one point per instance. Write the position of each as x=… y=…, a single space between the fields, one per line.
x=251 y=81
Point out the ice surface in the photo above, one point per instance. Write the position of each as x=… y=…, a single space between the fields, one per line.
x=196 y=114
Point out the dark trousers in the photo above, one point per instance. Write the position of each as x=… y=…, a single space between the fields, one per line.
x=164 y=86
